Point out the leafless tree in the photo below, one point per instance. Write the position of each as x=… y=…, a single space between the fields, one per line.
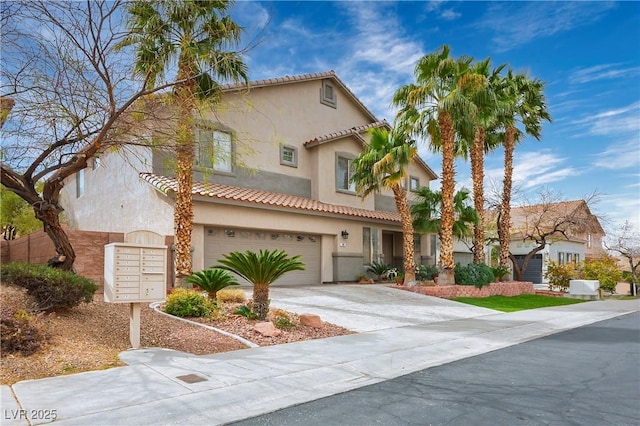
x=626 y=243
x=73 y=95
x=549 y=219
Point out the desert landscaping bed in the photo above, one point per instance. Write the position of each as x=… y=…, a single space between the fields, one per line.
x=90 y=337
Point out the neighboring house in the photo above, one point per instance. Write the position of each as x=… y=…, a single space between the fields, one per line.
x=280 y=180
x=574 y=234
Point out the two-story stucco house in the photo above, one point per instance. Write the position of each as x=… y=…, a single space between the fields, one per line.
x=280 y=179
x=578 y=237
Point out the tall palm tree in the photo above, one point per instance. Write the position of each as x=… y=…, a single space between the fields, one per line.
x=261 y=269
x=525 y=106
x=426 y=213
x=487 y=105
x=430 y=107
x=194 y=37
x=384 y=164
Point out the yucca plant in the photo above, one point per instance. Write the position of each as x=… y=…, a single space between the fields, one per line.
x=212 y=280
x=261 y=269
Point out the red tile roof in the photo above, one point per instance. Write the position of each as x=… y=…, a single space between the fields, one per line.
x=218 y=191
x=354 y=131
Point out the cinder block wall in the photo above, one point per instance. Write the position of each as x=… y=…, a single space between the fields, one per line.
x=89 y=247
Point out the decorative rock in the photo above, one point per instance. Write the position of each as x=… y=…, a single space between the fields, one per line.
x=310 y=320
x=267 y=329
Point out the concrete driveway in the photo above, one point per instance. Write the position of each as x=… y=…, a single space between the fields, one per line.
x=370 y=307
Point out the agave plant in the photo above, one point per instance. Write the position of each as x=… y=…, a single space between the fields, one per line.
x=212 y=280
x=261 y=269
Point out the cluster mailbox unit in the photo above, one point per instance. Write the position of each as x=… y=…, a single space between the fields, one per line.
x=134 y=274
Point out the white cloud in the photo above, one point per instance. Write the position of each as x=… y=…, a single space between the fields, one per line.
x=613 y=122
x=621 y=155
x=518 y=23
x=533 y=169
x=622 y=207
x=602 y=72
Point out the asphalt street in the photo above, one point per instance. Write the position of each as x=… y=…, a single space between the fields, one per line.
x=585 y=376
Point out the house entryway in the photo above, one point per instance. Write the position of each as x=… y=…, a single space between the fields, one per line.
x=219 y=241
x=392 y=253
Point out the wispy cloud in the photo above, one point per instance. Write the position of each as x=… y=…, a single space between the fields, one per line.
x=533 y=169
x=617 y=121
x=621 y=155
x=518 y=23
x=603 y=72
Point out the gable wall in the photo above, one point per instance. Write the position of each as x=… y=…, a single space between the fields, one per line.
x=116 y=199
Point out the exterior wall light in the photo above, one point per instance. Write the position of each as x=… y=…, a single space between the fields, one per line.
x=344 y=234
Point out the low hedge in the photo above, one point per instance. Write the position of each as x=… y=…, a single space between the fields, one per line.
x=52 y=289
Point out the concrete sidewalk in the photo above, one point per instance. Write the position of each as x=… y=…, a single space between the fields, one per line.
x=161 y=387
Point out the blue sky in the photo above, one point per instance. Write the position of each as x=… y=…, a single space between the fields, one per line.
x=587 y=53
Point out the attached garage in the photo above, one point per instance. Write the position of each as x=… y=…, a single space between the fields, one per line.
x=533 y=272
x=219 y=241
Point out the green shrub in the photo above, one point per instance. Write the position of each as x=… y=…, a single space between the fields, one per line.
x=52 y=289
x=604 y=270
x=426 y=272
x=499 y=272
x=476 y=274
x=246 y=312
x=560 y=275
x=18 y=334
x=187 y=303
x=281 y=318
x=231 y=295
x=212 y=280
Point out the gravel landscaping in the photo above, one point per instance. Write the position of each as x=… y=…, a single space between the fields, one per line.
x=90 y=336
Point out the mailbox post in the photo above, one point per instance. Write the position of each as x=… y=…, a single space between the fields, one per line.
x=134 y=274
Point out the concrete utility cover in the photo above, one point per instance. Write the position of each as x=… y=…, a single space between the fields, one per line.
x=191 y=378
x=369 y=307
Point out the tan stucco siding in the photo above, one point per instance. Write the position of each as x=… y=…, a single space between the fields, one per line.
x=115 y=199
x=329 y=227
x=292 y=114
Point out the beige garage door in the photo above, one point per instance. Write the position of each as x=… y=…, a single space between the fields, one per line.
x=219 y=241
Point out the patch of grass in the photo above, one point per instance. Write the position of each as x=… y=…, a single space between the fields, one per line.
x=517 y=303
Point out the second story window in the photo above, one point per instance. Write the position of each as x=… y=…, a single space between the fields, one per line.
x=328 y=95
x=344 y=171
x=414 y=184
x=288 y=156
x=214 y=149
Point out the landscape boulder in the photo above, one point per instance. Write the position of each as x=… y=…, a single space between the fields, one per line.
x=310 y=320
x=267 y=329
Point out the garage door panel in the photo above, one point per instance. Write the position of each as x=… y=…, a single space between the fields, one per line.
x=219 y=241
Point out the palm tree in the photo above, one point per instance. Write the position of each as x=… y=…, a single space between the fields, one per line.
x=384 y=165
x=487 y=107
x=261 y=270
x=426 y=213
x=194 y=36
x=212 y=280
x=430 y=107
x=525 y=104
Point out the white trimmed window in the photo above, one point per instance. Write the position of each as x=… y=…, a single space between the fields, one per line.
x=288 y=156
x=214 y=149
